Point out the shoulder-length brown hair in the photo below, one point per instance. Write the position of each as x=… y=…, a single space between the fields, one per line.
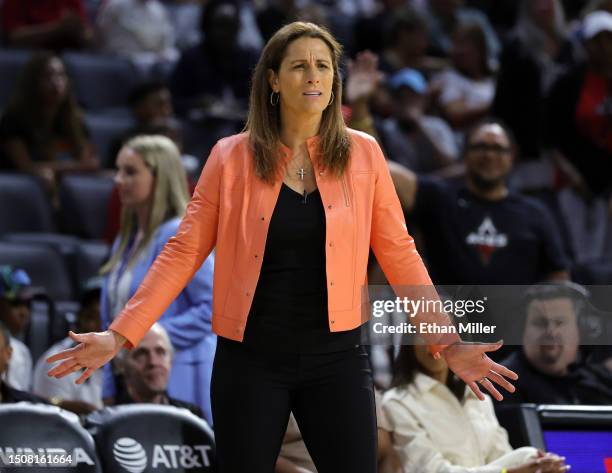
x=263 y=122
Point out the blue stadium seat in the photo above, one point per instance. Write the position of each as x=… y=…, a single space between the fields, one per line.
x=24 y=207
x=44 y=264
x=48 y=430
x=84 y=202
x=11 y=63
x=144 y=436
x=100 y=82
x=106 y=130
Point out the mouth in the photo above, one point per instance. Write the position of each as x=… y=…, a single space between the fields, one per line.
x=314 y=93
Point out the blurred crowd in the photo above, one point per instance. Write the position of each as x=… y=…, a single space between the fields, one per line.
x=496 y=121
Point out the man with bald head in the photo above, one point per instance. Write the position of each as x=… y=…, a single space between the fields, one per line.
x=146 y=370
x=479 y=231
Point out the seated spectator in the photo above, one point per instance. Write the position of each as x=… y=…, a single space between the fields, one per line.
x=444 y=16
x=579 y=133
x=15 y=298
x=420 y=142
x=137 y=29
x=479 y=232
x=64 y=392
x=539 y=49
x=466 y=90
x=8 y=393
x=551 y=366
x=146 y=370
x=438 y=425
x=42 y=131
x=407 y=43
x=151 y=106
x=52 y=24
x=212 y=78
x=371 y=29
x=152 y=187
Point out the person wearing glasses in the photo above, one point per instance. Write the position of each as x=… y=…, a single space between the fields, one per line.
x=479 y=231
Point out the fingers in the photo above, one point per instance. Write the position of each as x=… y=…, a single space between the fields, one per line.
x=65 y=368
x=503 y=382
x=493 y=346
x=502 y=370
x=88 y=372
x=488 y=385
x=62 y=355
x=476 y=390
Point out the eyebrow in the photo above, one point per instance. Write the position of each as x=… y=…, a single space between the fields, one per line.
x=306 y=60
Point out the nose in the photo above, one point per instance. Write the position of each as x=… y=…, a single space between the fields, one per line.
x=118 y=178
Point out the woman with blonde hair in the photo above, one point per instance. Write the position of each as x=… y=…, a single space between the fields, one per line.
x=292 y=206
x=152 y=186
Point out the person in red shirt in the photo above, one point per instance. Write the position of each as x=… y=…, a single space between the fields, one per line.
x=53 y=24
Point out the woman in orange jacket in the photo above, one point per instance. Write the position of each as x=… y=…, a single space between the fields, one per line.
x=292 y=207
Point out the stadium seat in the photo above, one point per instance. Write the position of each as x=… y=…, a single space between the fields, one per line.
x=38 y=429
x=11 y=63
x=100 y=82
x=147 y=437
x=105 y=130
x=90 y=257
x=84 y=201
x=44 y=264
x=24 y=207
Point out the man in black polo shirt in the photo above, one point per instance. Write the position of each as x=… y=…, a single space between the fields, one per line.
x=479 y=232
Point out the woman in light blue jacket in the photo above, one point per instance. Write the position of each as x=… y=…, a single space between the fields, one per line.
x=153 y=190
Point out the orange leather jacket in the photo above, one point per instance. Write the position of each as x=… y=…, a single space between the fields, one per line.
x=230 y=211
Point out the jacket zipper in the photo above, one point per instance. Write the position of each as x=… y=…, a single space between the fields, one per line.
x=346 y=198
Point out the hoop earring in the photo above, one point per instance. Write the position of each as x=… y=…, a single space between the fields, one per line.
x=332 y=98
x=272 y=101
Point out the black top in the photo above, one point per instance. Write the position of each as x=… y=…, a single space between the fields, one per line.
x=125 y=398
x=11 y=395
x=289 y=311
x=470 y=240
x=585 y=383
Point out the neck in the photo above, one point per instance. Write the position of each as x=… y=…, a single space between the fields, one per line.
x=142 y=216
x=441 y=376
x=295 y=130
x=495 y=193
x=147 y=398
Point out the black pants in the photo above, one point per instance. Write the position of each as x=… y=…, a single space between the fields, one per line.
x=331 y=396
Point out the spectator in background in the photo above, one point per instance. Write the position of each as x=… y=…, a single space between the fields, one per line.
x=479 y=232
x=79 y=398
x=42 y=131
x=538 y=50
x=445 y=16
x=551 y=366
x=370 y=29
x=466 y=90
x=439 y=426
x=213 y=77
x=420 y=142
x=52 y=24
x=137 y=29
x=275 y=15
x=579 y=133
x=15 y=296
x=8 y=393
x=146 y=372
x=151 y=106
x=153 y=191
x=407 y=43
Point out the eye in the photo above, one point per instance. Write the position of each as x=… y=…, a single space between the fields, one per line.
x=299 y=66
x=324 y=66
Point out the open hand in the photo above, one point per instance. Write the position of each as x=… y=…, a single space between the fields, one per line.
x=471 y=364
x=94 y=349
